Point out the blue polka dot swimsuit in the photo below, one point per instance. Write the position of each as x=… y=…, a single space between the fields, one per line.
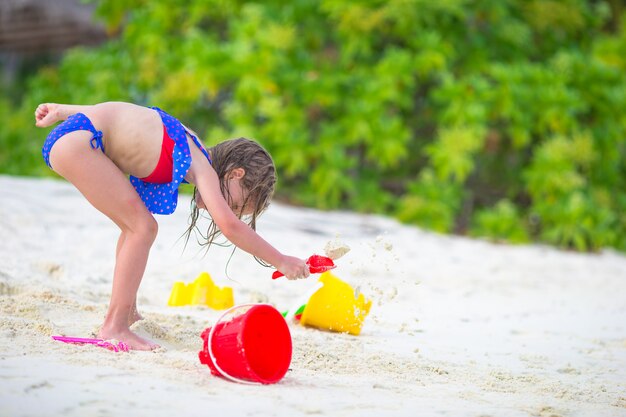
x=163 y=198
x=158 y=198
x=75 y=122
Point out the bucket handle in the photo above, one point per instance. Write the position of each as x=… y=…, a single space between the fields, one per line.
x=210 y=345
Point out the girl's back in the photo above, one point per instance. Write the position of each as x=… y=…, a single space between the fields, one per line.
x=132 y=135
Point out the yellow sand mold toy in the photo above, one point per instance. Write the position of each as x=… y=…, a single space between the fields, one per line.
x=336 y=307
x=202 y=291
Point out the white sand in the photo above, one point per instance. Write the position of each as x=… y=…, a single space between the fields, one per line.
x=459 y=327
x=335 y=249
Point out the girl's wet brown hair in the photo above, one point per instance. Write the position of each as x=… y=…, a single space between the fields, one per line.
x=258 y=184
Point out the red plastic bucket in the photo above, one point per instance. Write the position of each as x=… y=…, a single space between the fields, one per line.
x=249 y=343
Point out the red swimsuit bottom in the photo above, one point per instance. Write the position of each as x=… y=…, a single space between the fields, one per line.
x=162 y=174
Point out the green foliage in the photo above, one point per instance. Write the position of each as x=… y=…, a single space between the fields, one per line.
x=457 y=115
x=571 y=210
x=452 y=154
x=431 y=202
x=501 y=222
x=20 y=147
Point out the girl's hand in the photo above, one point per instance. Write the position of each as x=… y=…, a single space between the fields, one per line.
x=293 y=268
x=47 y=114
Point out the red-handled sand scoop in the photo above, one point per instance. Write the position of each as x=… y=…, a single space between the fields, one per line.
x=317 y=264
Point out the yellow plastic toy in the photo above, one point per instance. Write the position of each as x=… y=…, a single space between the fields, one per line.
x=202 y=291
x=335 y=307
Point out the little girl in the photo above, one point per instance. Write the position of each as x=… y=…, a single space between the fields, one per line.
x=96 y=146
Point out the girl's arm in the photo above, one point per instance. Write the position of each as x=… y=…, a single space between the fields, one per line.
x=204 y=177
x=48 y=114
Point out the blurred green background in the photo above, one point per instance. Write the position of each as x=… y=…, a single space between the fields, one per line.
x=496 y=118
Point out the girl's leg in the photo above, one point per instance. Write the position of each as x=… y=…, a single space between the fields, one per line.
x=109 y=191
x=134 y=315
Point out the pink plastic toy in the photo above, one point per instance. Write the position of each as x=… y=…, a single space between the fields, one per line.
x=317 y=264
x=119 y=347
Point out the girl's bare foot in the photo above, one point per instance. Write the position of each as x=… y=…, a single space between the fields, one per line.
x=134 y=341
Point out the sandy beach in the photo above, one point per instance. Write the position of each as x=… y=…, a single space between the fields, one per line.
x=458 y=327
